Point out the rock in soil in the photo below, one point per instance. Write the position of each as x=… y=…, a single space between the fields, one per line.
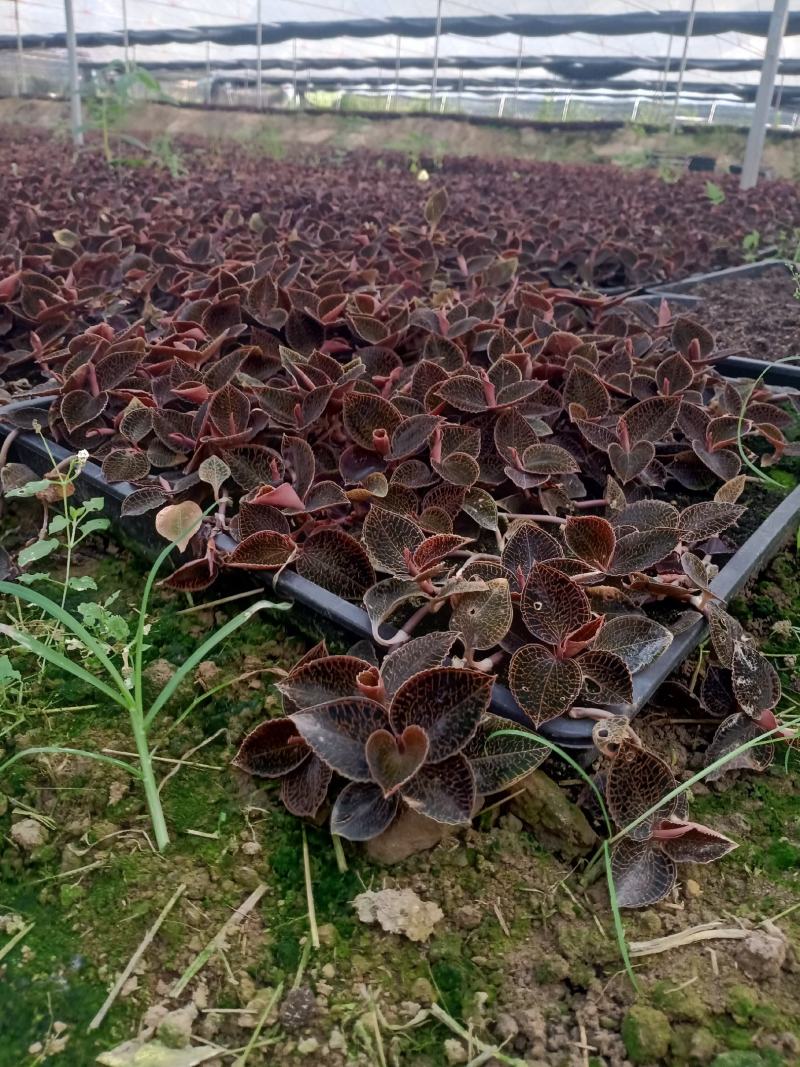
x=29 y=834
x=556 y=823
x=175 y=1029
x=763 y=953
x=408 y=834
x=298 y=1009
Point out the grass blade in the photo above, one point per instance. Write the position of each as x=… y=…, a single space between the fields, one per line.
x=618 y=925
x=587 y=778
x=57 y=750
x=202 y=653
x=55 y=658
x=312 y=911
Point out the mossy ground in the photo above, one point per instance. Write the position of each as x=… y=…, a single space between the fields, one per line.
x=523 y=954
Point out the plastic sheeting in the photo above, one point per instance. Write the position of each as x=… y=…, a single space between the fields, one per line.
x=709 y=23
x=618 y=37
x=790 y=96
x=588 y=69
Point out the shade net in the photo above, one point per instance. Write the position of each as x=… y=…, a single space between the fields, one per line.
x=617 y=47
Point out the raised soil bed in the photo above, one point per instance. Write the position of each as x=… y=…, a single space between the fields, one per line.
x=758 y=314
x=754 y=307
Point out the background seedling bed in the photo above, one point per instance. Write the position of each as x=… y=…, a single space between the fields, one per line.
x=321 y=607
x=758 y=314
x=753 y=307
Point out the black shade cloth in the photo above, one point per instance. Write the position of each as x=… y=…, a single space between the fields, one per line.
x=674 y=22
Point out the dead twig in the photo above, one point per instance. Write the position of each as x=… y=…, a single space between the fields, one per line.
x=165 y=759
x=712 y=931
x=501 y=919
x=442 y=1016
x=218 y=940
x=137 y=955
x=184 y=758
x=15 y=940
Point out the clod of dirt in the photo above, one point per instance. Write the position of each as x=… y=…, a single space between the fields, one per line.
x=763 y=953
x=308 y=1047
x=399 y=911
x=409 y=834
x=207 y=674
x=175 y=1029
x=556 y=823
x=159 y=673
x=454 y=1051
x=646 y=1033
x=11 y=923
x=506 y=1027
x=298 y=1009
x=29 y=834
x=469 y=916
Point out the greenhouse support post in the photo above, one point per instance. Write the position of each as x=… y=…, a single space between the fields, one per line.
x=294 y=73
x=259 y=85
x=662 y=88
x=516 y=79
x=682 y=71
x=75 y=119
x=396 y=74
x=19 y=81
x=435 y=77
x=125 y=42
x=769 y=69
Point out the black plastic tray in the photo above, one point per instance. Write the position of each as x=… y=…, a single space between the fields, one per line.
x=569 y=733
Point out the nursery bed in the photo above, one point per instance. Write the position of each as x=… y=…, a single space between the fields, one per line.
x=754 y=307
x=757 y=314
x=749 y=559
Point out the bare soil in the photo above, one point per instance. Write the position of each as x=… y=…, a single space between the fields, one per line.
x=755 y=317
